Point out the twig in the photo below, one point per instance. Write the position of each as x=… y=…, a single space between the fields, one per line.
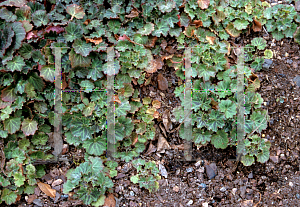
x=259 y=200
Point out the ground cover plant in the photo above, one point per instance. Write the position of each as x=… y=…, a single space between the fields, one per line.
x=31 y=30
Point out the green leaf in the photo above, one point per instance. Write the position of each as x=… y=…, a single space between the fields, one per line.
x=268 y=54
x=200 y=137
x=26 y=50
x=88 y=110
x=19 y=179
x=111 y=69
x=75 y=11
x=215 y=121
x=200 y=100
x=247 y=160
x=277 y=35
x=36 y=81
x=166 y=5
x=5 y=113
x=7 y=15
x=259 y=42
x=205 y=71
x=263 y=156
x=240 y=24
x=12 y=125
x=78 y=60
x=257 y=63
x=20 y=34
x=29 y=90
x=88 y=196
x=161 y=28
x=220 y=140
x=290 y=31
x=87 y=85
x=232 y=31
x=39 y=139
x=80 y=128
x=171 y=18
x=73 y=32
x=16 y=64
x=8 y=196
x=184 y=20
x=82 y=47
x=95 y=146
x=147 y=29
x=260 y=120
x=37 y=56
x=40 y=18
x=135 y=178
x=228 y=107
x=48 y=72
x=8 y=94
x=100 y=201
x=29 y=127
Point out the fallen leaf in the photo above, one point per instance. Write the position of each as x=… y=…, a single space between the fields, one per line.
x=56 y=29
x=86 y=22
x=256 y=26
x=151 y=149
x=197 y=23
x=162 y=82
x=164 y=44
x=47 y=189
x=162 y=144
x=31 y=198
x=156 y=114
x=110 y=200
x=155 y=64
x=134 y=13
x=166 y=57
x=210 y=39
x=203 y=4
x=117 y=99
x=156 y=104
x=151 y=42
x=96 y=41
x=134 y=138
x=166 y=119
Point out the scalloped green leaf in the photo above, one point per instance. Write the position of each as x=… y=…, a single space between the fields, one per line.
x=26 y=50
x=200 y=100
x=48 y=72
x=200 y=137
x=40 y=18
x=8 y=16
x=82 y=47
x=122 y=108
x=215 y=121
x=259 y=42
x=171 y=18
x=95 y=146
x=240 y=24
x=228 y=107
x=12 y=124
x=73 y=32
x=20 y=34
x=80 y=128
x=161 y=28
x=147 y=29
x=8 y=196
x=75 y=11
x=88 y=110
x=232 y=31
x=29 y=90
x=112 y=69
x=220 y=140
x=247 y=160
x=166 y=5
x=29 y=127
x=205 y=71
x=78 y=60
x=36 y=81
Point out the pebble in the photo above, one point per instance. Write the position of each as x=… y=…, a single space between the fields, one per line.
x=163 y=170
x=289 y=61
x=297 y=80
x=204 y=204
x=233 y=191
x=223 y=189
x=210 y=170
x=274 y=159
x=38 y=202
x=131 y=193
x=250 y=176
x=190 y=169
x=267 y=63
x=190 y=202
x=176 y=188
x=202 y=185
x=291 y=184
x=298 y=195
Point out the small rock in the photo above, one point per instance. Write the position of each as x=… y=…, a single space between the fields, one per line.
x=38 y=202
x=250 y=175
x=163 y=170
x=162 y=82
x=298 y=196
x=190 y=169
x=267 y=63
x=190 y=202
x=204 y=204
x=202 y=185
x=295 y=64
x=291 y=184
x=210 y=170
x=297 y=5
x=131 y=193
x=233 y=191
x=243 y=191
x=223 y=189
x=57 y=182
x=274 y=159
x=289 y=61
x=297 y=80
x=176 y=188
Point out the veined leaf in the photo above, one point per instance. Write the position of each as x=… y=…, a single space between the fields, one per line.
x=232 y=31
x=200 y=100
x=8 y=94
x=48 y=72
x=75 y=11
x=82 y=48
x=247 y=160
x=200 y=137
x=36 y=81
x=20 y=34
x=240 y=24
x=161 y=28
x=73 y=32
x=16 y=64
x=215 y=121
x=203 y=4
x=95 y=146
x=29 y=127
x=40 y=18
x=78 y=60
x=263 y=156
x=29 y=90
x=259 y=42
x=171 y=18
x=166 y=6
x=8 y=196
x=80 y=128
x=228 y=107
x=205 y=71
x=7 y=15
x=147 y=29
x=26 y=50
x=88 y=110
x=12 y=125
x=220 y=140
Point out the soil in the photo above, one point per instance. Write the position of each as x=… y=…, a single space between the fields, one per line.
x=274 y=183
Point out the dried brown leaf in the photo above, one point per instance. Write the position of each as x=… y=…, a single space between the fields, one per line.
x=162 y=144
x=197 y=23
x=134 y=13
x=96 y=41
x=203 y=4
x=47 y=189
x=210 y=39
x=156 y=104
x=256 y=26
x=110 y=200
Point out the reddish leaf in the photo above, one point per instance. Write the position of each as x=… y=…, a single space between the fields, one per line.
x=8 y=94
x=197 y=23
x=110 y=200
x=56 y=29
x=95 y=40
x=134 y=13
